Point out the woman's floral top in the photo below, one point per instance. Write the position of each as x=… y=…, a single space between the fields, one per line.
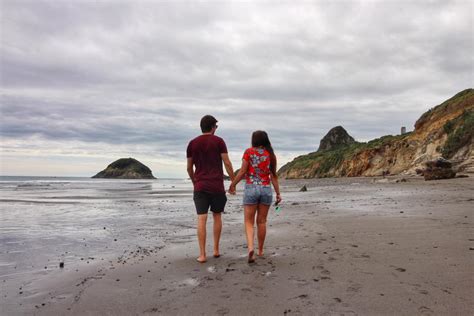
x=259 y=166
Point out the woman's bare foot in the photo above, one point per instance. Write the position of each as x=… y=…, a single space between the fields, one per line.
x=201 y=259
x=217 y=255
x=251 y=257
x=260 y=253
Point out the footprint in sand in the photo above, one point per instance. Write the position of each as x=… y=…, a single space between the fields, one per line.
x=151 y=310
x=212 y=269
x=223 y=311
x=425 y=310
x=355 y=288
x=190 y=282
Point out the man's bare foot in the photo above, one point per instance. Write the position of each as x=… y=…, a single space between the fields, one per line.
x=260 y=253
x=201 y=259
x=251 y=257
x=216 y=255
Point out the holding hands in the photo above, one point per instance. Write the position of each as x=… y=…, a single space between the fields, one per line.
x=232 y=189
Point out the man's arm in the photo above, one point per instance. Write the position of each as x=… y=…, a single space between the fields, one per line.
x=228 y=166
x=190 y=169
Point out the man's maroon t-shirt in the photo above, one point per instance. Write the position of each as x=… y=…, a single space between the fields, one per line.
x=206 y=150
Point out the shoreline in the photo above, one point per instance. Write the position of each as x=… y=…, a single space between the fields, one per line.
x=346 y=246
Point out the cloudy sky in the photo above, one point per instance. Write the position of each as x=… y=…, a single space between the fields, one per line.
x=84 y=83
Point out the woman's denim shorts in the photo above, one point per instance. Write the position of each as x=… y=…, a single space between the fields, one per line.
x=257 y=194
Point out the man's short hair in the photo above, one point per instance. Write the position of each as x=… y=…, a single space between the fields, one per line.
x=207 y=123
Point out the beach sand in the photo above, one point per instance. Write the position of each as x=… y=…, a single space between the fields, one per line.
x=344 y=247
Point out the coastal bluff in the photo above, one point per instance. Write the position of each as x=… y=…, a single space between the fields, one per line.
x=445 y=131
x=126 y=168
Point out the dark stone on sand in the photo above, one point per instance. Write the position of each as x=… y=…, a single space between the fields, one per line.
x=126 y=168
x=438 y=169
x=61 y=264
x=439 y=163
x=304 y=188
x=439 y=174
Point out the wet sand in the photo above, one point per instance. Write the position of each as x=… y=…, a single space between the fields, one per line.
x=346 y=246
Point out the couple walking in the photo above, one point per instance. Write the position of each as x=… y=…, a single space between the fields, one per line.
x=205 y=156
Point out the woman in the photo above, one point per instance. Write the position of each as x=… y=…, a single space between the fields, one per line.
x=259 y=167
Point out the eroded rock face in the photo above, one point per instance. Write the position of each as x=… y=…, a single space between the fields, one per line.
x=336 y=137
x=126 y=168
x=445 y=130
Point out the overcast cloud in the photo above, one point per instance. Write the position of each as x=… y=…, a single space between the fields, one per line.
x=84 y=82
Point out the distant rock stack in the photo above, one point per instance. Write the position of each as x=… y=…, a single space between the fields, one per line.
x=126 y=168
x=336 y=137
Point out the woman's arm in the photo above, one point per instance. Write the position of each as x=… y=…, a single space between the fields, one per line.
x=239 y=176
x=276 y=186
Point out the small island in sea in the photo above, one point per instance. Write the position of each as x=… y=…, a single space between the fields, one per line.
x=126 y=168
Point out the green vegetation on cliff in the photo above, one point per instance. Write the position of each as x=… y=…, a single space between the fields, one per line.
x=395 y=154
x=460 y=133
x=328 y=160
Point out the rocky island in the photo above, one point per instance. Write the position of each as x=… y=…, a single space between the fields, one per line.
x=445 y=131
x=126 y=168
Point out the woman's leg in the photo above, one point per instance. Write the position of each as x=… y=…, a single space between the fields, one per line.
x=262 y=213
x=249 y=221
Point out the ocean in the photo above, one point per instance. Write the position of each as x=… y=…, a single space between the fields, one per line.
x=48 y=220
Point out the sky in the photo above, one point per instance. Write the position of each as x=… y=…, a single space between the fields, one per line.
x=84 y=83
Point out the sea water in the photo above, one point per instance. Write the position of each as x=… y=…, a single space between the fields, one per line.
x=47 y=220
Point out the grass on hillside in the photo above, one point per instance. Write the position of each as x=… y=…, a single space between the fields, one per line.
x=460 y=132
x=330 y=159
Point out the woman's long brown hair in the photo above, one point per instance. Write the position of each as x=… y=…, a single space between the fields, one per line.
x=260 y=138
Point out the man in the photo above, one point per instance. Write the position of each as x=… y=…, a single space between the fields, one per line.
x=207 y=152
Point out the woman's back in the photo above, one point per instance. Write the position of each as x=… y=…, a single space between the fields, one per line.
x=258 y=171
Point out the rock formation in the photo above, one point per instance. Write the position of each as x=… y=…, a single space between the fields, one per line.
x=335 y=138
x=446 y=130
x=438 y=169
x=126 y=168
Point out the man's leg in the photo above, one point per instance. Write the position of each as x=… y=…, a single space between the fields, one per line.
x=201 y=232
x=218 y=203
x=217 y=232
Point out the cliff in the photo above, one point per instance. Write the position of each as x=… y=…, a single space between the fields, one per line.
x=126 y=168
x=446 y=130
